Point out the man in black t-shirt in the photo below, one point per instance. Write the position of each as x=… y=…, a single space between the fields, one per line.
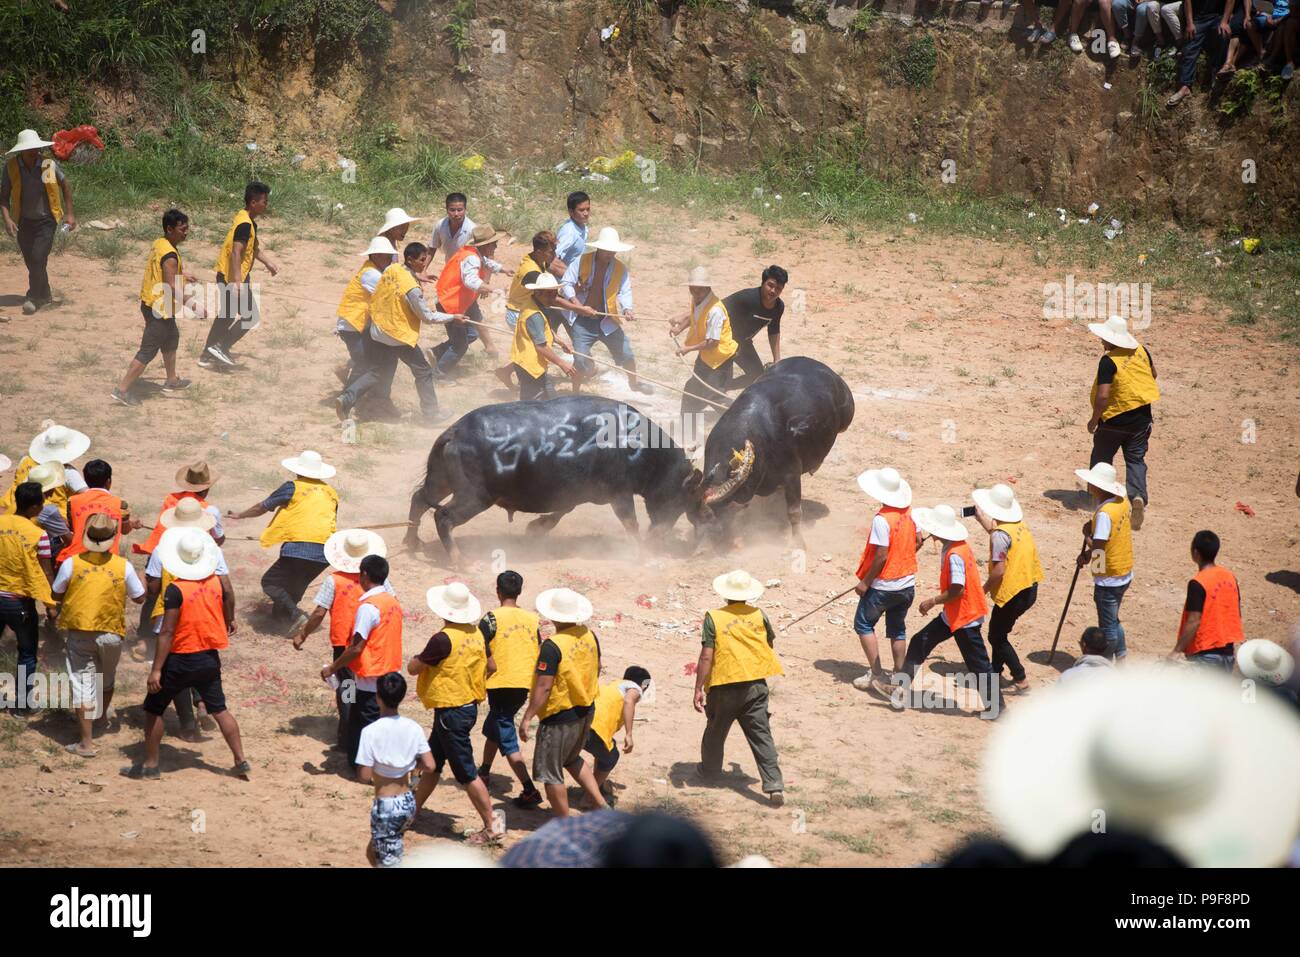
x=749 y=311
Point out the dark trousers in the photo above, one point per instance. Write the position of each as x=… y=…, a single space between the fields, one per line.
x=1207 y=29
x=20 y=616
x=1108 y=440
x=344 y=675
x=751 y=365
x=459 y=336
x=35 y=239
x=363 y=711
x=973 y=653
x=381 y=366
x=355 y=343
x=542 y=387
x=1000 y=624
x=286 y=581
x=698 y=397
x=743 y=702
x=236 y=314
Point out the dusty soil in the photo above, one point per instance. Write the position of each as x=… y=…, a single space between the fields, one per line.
x=939 y=341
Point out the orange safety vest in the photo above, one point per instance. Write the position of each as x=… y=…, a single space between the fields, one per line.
x=1220 y=625
x=343 y=613
x=169 y=502
x=900 y=557
x=93 y=501
x=202 y=622
x=453 y=295
x=383 y=649
x=970 y=604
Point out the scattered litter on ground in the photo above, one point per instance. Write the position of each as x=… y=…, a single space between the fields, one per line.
x=1243 y=507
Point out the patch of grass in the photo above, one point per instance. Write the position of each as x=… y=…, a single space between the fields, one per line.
x=858 y=843
x=912 y=63
x=108 y=246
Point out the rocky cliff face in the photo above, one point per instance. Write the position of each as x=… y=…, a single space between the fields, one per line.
x=727 y=82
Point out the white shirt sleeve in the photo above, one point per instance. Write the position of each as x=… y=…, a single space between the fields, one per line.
x=370 y=280
x=221 y=568
x=218 y=530
x=492 y=264
x=72 y=478
x=435 y=238
x=713 y=325
x=1100 y=527
x=956 y=570
x=570 y=281
x=625 y=292
x=325 y=595
x=153 y=567
x=365 y=748
x=366 y=620
x=134 y=587
x=469 y=267
x=60 y=583
x=879 y=531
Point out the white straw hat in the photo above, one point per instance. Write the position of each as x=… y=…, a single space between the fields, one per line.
x=607 y=239
x=454 y=603
x=346 y=547
x=699 y=276
x=563 y=605
x=544 y=281
x=1173 y=753
x=381 y=246
x=188 y=553
x=60 y=444
x=4 y=462
x=739 y=585
x=1263 y=660
x=309 y=464
x=942 y=521
x=998 y=503
x=397 y=217
x=1103 y=476
x=187 y=513
x=886 y=486
x=28 y=140
x=1115 y=331
x=49 y=474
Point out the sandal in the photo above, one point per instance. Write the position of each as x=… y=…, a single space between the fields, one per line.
x=80 y=751
x=486 y=837
x=531 y=798
x=242 y=770
x=138 y=772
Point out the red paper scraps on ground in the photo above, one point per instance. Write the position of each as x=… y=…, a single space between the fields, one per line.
x=1243 y=507
x=689 y=669
x=644 y=601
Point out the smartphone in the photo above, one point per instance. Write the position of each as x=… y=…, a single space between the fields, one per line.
x=968 y=511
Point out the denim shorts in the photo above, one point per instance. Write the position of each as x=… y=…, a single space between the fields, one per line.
x=449 y=741
x=389 y=819
x=892 y=604
x=499 y=725
x=605 y=757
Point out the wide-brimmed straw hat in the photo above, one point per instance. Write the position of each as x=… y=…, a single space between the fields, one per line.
x=738 y=585
x=380 y=246
x=485 y=234
x=886 y=486
x=346 y=547
x=1263 y=660
x=1115 y=331
x=942 y=521
x=1176 y=754
x=563 y=605
x=58 y=443
x=5 y=463
x=49 y=474
x=607 y=239
x=544 y=281
x=454 y=602
x=187 y=513
x=1103 y=476
x=397 y=217
x=28 y=140
x=100 y=531
x=699 y=276
x=309 y=464
x=189 y=554
x=998 y=503
x=195 y=478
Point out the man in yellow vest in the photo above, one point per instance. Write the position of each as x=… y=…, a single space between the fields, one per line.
x=353 y=313
x=92 y=588
x=534 y=346
x=60 y=445
x=1013 y=576
x=709 y=335
x=25 y=575
x=238 y=313
x=306 y=509
x=453 y=670
x=162 y=294
x=736 y=660
x=533 y=264
x=1108 y=549
x=597 y=292
x=566 y=682
x=1210 y=629
x=53 y=519
x=34 y=197
x=615 y=711
x=463 y=280
x=512 y=637
x=1122 y=395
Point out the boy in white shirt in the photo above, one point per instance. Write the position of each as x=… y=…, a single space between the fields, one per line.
x=391 y=747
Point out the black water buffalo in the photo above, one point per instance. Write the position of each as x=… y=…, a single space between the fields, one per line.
x=548 y=457
x=777 y=430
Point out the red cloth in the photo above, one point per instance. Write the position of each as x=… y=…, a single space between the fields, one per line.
x=65 y=141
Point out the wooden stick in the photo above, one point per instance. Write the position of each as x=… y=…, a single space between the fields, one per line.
x=1060 y=624
x=819 y=607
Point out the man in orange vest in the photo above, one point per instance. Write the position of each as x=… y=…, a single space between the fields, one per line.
x=1210 y=628
x=198 y=619
x=238 y=313
x=374 y=650
x=462 y=281
x=964 y=608
x=34 y=197
x=96 y=500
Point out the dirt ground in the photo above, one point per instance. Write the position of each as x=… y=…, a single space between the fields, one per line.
x=959 y=382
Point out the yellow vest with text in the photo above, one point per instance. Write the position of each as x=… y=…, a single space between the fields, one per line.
x=153 y=291
x=519 y=297
x=460 y=678
x=48 y=179
x=523 y=351
x=157 y=610
x=713 y=356
x=1119 y=546
x=1022 y=565
x=587 y=266
x=389 y=309
x=309 y=517
x=250 y=248
x=58 y=496
x=96 y=595
x=354 y=308
x=1134 y=384
x=20 y=570
x=577 y=682
x=608 y=717
x=741 y=651
x=514 y=648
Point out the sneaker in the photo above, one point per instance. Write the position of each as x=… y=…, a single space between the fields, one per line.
x=299 y=620
x=29 y=307
x=531 y=798
x=437 y=417
x=776 y=798
x=138 y=772
x=1155 y=54
x=1048 y=37
x=1288 y=71
x=222 y=357
x=56 y=296
x=180 y=385
x=342 y=408
x=1034 y=34
x=124 y=398
x=1075 y=43
x=1134 y=52
x=206 y=361
x=242 y=770
x=1112 y=49
x=1139 y=512
x=864 y=682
